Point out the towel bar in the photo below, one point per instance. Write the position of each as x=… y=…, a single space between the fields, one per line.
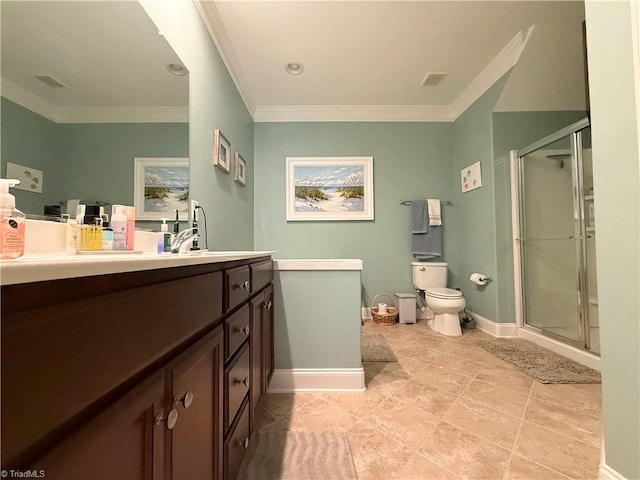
x=442 y=202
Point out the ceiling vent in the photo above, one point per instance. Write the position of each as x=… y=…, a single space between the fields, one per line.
x=51 y=81
x=432 y=79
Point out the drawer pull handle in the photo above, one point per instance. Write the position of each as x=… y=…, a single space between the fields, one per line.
x=243 y=285
x=186 y=399
x=171 y=419
x=269 y=305
x=244 y=443
x=244 y=381
x=246 y=330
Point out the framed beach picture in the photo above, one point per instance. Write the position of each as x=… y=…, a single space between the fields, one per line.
x=329 y=188
x=221 y=151
x=161 y=185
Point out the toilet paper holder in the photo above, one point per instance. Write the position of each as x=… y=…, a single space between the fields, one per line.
x=480 y=278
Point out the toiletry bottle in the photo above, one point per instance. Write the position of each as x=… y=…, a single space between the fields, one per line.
x=164 y=237
x=130 y=213
x=119 y=227
x=107 y=233
x=12 y=223
x=91 y=229
x=71 y=234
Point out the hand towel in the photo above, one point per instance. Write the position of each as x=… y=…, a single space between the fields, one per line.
x=419 y=216
x=434 y=211
x=425 y=246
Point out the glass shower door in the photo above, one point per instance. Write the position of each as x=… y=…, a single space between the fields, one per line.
x=550 y=240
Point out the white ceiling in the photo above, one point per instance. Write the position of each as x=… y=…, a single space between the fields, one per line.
x=108 y=53
x=365 y=60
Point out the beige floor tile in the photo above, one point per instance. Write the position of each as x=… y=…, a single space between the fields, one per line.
x=403 y=422
x=442 y=378
x=558 y=452
x=476 y=418
x=416 y=352
x=263 y=418
x=376 y=455
x=357 y=404
x=385 y=377
x=568 y=419
x=281 y=404
x=425 y=397
x=420 y=468
x=464 y=454
x=498 y=398
x=411 y=366
x=523 y=469
x=404 y=335
x=457 y=364
x=315 y=416
x=506 y=377
x=585 y=397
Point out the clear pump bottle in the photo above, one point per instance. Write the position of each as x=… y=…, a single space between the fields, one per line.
x=12 y=222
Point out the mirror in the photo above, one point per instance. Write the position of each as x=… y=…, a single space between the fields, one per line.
x=87 y=86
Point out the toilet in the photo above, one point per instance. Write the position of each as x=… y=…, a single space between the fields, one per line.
x=445 y=303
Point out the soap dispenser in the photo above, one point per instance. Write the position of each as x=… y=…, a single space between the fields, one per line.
x=12 y=222
x=164 y=237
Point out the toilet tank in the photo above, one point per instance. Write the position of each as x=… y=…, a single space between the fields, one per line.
x=429 y=275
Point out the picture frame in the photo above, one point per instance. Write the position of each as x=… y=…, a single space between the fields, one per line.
x=161 y=185
x=329 y=188
x=471 y=177
x=221 y=151
x=240 y=171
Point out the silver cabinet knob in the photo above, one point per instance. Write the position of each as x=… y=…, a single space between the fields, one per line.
x=244 y=381
x=186 y=399
x=422 y=269
x=171 y=419
x=244 y=443
x=246 y=330
x=243 y=285
x=269 y=305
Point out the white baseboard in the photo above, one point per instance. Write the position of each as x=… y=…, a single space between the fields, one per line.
x=366 y=313
x=502 y=330
x=608 y=473
x=576 y=354
x=317 y=380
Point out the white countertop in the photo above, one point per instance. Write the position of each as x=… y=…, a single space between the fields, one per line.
x=38 y=268
x=318 y=264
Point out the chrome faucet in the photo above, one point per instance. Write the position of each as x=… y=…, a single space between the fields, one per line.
x=187 y=235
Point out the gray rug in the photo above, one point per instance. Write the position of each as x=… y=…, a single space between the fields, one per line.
x=376 y=348
x=538 y=362
x=298 y=456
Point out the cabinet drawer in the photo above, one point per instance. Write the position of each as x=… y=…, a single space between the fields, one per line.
x=237 y=283
x=237 y=381
x=236 y=331
x=236 y=445
x=261 y=275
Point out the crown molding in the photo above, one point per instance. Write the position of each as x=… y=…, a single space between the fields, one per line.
x=353 y=113
x=213 y=22
x=501 y=64
x=30 y=101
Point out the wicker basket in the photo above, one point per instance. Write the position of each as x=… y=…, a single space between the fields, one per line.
x=389 y=318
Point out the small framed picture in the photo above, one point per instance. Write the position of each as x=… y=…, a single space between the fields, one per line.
x=221 y=151
x=240 y=174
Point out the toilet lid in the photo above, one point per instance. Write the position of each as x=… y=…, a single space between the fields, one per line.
x=443 y=293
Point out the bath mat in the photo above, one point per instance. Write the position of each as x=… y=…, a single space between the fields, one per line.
x=298 y=455
x=538 y=362
x=376 y=348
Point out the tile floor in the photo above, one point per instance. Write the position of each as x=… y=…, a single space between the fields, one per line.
x=449 y=410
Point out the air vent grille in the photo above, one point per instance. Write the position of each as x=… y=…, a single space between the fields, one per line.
x=51 y=81
x=432 y=79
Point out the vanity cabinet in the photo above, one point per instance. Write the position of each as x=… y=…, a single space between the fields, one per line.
x=144 y=377
x=261 y=344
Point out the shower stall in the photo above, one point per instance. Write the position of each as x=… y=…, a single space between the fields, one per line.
x=554 y=239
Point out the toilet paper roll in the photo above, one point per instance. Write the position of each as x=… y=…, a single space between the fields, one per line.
x=478 y=278
x=382 y=308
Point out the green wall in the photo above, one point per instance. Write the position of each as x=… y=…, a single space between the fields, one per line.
x=616 y=159
x=90 y=161
x=214 y=103
x=410 y=160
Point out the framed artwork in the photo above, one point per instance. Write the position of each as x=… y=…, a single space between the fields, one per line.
x=161 y=185
x=30 y=178
x=240 y=172
x=471 y=177
x=221 y=151
x=329 y=188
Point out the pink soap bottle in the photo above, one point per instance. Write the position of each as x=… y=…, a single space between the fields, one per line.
x=12 y=223
x=130 y=213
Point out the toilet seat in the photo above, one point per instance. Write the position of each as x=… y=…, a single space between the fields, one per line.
x=444 y=293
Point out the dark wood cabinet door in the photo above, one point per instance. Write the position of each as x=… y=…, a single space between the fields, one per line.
x=257 y=359
x=124 y=442
x=268 y=324
x=195 y=389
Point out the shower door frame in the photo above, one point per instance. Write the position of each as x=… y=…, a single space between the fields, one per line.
x=579 y=236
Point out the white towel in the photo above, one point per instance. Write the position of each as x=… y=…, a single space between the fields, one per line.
x=433 y=206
